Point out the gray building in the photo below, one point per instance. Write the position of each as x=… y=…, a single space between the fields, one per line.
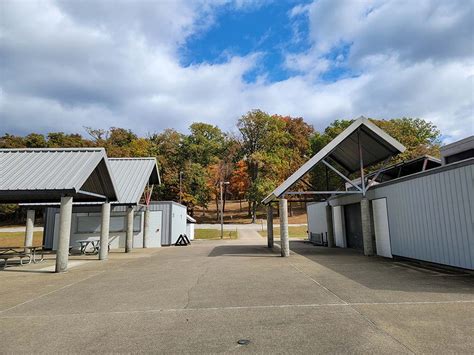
x=167 y=220
x=426 y=215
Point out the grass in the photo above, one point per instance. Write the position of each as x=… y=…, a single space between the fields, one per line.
x=234 y=214
x=8 y=239
x=211 y=234
x=295 y=232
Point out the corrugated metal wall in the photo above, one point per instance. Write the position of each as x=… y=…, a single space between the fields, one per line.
x=431 y=216
x=165 y=207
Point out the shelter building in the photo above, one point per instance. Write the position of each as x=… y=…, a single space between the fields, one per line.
x=56 y=176
x=358 y=147
x=130 y=221
x=155 y=223
x=424 y=213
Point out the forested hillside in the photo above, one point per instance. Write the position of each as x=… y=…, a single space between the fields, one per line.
x=265 y=151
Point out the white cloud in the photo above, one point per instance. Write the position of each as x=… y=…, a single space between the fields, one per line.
x=70 y=64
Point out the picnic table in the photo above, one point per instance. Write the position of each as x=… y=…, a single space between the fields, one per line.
x=22 y=252
x=95 y=243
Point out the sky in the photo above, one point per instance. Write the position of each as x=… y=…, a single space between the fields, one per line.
x=151 y=65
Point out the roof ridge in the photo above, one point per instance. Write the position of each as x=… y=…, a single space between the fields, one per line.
x=85 y=149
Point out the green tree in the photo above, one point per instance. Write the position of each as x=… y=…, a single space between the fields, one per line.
x=265 y=151
x=168 y=147
x=35 y=140
x=205 y=143
x=196 y=191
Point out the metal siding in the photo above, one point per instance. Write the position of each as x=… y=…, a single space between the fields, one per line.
x=48 y=233
x=178 y=221
x=131 y=177
x=431 y=216
x=317 y=222
x=27 y=171
x=165 y=207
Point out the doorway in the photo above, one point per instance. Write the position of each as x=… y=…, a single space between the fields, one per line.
x=353 y=222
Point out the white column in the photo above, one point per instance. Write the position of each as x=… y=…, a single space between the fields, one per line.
x=129 y=236
x=30 y=223
x=104 y=232
x=270 y=225
x=62 y=253
x=146 y=227
x=366 y=227
x=284 y=237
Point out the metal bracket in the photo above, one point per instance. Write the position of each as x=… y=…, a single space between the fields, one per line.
x=341 y=175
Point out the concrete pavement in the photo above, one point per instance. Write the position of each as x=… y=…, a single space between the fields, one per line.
x=205 y=297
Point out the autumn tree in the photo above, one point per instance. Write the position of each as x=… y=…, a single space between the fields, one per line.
x=168 y=149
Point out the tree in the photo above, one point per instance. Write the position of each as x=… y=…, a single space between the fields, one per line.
x=168 y=149
x=35 y=140
x=420 y=137
x=205 y=143
x=195 y=189
x=239 y=181
x=264 y=147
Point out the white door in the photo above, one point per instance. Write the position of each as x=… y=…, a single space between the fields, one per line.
x=155 y=229
x=382 y=232
x=338 y=221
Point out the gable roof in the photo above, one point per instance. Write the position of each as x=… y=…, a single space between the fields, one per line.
x=344 y=149
x=46 y=174
x=132 y=176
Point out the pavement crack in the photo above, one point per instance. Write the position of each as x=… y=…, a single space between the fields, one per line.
x=198 y=279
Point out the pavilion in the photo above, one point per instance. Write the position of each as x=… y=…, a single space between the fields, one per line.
x=64 y=175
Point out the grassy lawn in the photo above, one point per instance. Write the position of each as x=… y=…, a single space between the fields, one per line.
x=8 y=239
x=214 y=234
x=295 y=232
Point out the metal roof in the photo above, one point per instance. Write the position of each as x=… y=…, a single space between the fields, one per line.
x=344 y=149
x=132 y=175
x=46 y=174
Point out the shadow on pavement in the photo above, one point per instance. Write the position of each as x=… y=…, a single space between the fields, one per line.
x=385 y=274
x=242 y=250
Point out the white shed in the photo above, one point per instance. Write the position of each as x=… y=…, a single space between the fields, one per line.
x=190 y=222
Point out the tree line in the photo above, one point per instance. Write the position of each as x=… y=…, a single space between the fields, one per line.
x=265 y=150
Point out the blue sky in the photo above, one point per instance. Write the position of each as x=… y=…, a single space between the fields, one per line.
x=151 y=65
x=264 y=29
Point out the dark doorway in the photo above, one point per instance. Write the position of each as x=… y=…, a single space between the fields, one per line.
x=353 y=226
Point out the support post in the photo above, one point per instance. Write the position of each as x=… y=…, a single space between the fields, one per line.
x=284 y=238
x=330 y=226
x=366 y=227
x=30 y=223
x=62 y=253
x=146 y=227
x=270 y=225
x=104 y=232
x=129 y=236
